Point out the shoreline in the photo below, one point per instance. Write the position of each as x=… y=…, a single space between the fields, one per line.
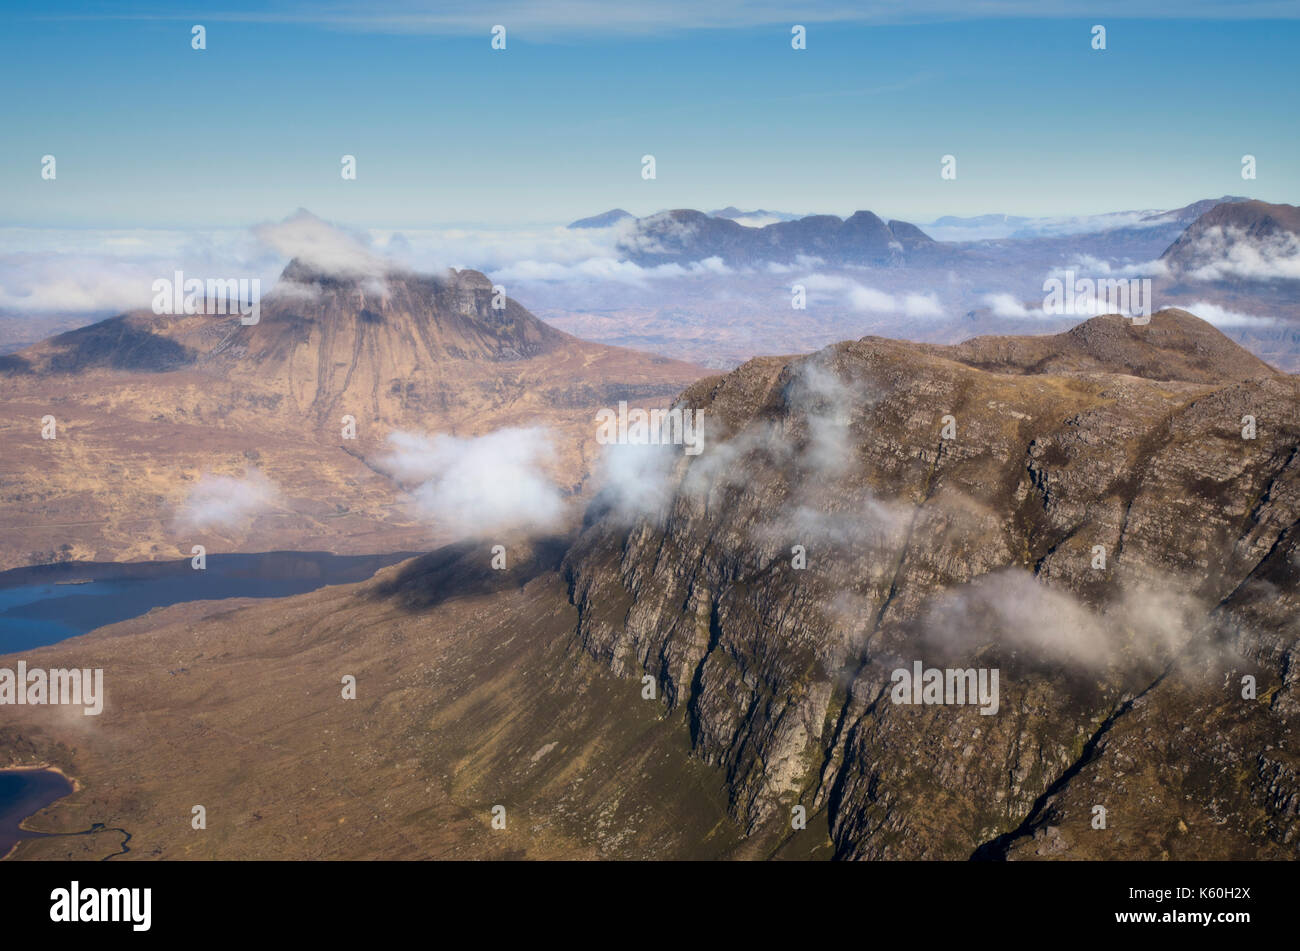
x=22 y=823
x=49 y=767
x=50 y=609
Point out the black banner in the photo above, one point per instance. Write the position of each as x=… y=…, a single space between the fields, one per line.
x=975 y=901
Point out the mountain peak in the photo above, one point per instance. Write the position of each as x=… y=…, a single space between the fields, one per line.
x=1174 y=345
x=300 y=271
x=340 y=330
x=604 y=219
x=1239 y=239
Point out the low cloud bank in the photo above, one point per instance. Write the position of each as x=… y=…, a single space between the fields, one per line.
x=1228 y=253
x=860 y=297
x=1011 y=608
x=326 y=247
x=226 y=502
x=470 y=486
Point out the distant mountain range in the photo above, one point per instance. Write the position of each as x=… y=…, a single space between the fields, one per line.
x=993 y=227
x=1200 y=239
x=976 y=228
x=1225 y=259
x=741 y=238
x=685 y=235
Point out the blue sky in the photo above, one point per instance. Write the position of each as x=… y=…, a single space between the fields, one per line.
x=150 y=133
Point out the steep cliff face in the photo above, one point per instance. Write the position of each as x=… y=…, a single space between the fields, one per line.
x=1081 y=514
x=329 y=340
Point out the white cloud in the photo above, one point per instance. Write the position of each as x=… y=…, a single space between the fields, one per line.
x=492 y=250
x=607 y=269
x=869 y=523
x=921 y=305
x=860 y=297
x=866 y=298
x=636 y=480
x=996 y=227
x=1222 y=317
x=68 y=285
x=802 y=262
x=1006 y=305
x=641 y=481
x=1016 y=610
x=1221 y=253
x=1090 y=224
x=101 y=272
x=322 y=246
x=104 y=272
x=474 y=485
x=757 y=221
x=1092 y=267
x=219 y=501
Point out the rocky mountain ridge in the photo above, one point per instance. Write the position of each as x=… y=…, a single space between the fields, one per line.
x=981 y=551
x=719 y=645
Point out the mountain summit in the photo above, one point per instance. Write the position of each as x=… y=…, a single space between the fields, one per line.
x=1251 y=240
x=404 y=320
x=1175 y=345
x=170 y=397
x=320 y=336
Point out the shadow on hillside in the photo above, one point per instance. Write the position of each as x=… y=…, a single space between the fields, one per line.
x=115 y=344
x=465 y=569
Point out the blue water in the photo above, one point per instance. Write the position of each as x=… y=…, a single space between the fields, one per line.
x=48 y=603
x=23 y=793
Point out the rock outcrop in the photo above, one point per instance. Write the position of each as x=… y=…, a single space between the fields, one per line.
x=1081 y=513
